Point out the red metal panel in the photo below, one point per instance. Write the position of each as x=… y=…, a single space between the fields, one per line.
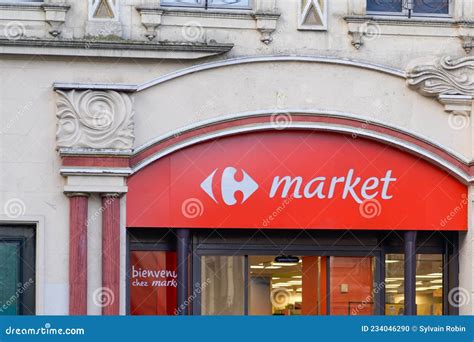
x=333 y=181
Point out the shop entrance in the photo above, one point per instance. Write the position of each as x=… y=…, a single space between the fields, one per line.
x=287 y=285
x=281 y=272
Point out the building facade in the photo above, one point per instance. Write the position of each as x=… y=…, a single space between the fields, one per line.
x=237 y=157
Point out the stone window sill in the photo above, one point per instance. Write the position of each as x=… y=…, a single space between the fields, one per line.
x=154 y=18
x=25 y=18
x=363 y=25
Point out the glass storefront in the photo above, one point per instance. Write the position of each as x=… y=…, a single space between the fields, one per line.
x=228 y=279
x=287 y=285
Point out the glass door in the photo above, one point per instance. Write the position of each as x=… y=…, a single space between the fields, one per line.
x=287 y=285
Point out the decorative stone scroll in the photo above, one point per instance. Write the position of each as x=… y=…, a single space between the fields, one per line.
x=95 y=120
x=447 y=77
x=450 y=80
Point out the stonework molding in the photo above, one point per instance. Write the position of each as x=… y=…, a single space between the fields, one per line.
x=103 y=9
x=447 y=77
x=450 y=80
x=457 y=104
x=55 y=15
x=363 y=28
x=312 y=15
x=151 y=20
x=266 y=24
x=265 y=19
x=467 y=43
x=95 y=120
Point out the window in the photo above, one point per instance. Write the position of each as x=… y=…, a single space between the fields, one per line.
x=394 y=285
x=235 y=4
x=17 y=271
x=225 y=290
x=429 y=284
x=409 y=7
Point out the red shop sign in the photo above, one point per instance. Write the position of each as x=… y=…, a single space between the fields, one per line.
x=295 y=179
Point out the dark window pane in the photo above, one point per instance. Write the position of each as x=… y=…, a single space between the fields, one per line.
x=192 y=3
x=384 y=5
x=9 y=278
x=431 y=6
x=229 y=3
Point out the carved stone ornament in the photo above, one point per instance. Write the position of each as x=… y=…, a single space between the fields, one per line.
x=447 y=77
x=95 y=119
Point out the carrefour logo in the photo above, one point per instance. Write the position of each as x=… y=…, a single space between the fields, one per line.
x=346 y=186
x=229 y=186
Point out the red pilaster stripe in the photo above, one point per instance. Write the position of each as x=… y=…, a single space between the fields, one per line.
x=95 y=161
x=78 y=204
x=110 y=254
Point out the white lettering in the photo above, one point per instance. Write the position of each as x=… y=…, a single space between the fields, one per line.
x=367 y=186
x=288 y=183
x=353 y=187
x=386 y=181
x=332 y=187
x=319 y=189
x=349 y=188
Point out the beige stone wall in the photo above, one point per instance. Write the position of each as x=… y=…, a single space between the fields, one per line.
x=30 y=163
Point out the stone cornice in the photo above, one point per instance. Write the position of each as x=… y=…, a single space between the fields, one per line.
x=95 y=47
